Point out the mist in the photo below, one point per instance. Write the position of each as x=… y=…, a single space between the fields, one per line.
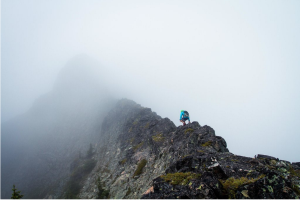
x=233 y=65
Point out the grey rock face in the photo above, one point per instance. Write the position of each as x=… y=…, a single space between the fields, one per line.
x=145 y=156
x=137 y=154
x=131 y=134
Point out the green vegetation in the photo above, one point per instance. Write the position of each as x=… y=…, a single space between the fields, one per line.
x=273 y=162
x=135 y=122
x=189 y=130
x=180 y=178
x=140 y=167
x=200 y=151
x=270 y=167
x=296 y=189
x=232 y=184
x=138 y=146
x=206 y=144
x=158 y=138
x=123 y=161
x=294 y=172
x=16 y=194
x=102 y=193
x=128 y=191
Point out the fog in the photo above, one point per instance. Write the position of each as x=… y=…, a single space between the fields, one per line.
x=234 y=65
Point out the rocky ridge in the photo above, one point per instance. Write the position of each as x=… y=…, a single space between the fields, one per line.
x=142 y=155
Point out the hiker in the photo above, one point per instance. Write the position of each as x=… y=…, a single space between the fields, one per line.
x=184 y=115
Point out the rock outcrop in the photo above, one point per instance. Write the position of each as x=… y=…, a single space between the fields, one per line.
x=142 y=155
x=135 y=153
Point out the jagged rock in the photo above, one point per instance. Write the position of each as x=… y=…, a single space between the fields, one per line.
x=296 y=165
x=141 y=155
x=265 y=156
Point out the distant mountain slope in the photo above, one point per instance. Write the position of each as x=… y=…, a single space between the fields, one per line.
x=38 y=146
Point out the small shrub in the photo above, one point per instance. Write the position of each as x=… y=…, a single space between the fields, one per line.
x=123 y=161
x=232 y=184
x=294 y=172
x=296 y=189
x=102 y=193
x=138 y=146
x=180 y=178
x=189 y=130
x=158 y=138
x=128 y=191
x=273 y=162
x=206 y=144
x=140 y=167
x=16 y=194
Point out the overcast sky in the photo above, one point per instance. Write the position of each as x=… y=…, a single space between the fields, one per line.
x=234 y=65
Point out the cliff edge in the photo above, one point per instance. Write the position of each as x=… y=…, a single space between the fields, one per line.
x=142 y=155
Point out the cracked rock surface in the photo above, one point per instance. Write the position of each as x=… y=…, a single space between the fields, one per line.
x=180 y=162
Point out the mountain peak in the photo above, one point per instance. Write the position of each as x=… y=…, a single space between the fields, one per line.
x=81 y=73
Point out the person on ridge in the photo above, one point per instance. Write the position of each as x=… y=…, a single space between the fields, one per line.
x=184 y=115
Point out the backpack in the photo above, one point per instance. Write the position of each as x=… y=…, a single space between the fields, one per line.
x=186 y=114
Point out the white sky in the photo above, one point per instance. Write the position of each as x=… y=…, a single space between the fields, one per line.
x=234 y=65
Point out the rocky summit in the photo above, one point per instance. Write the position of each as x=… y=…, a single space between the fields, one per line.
x=142 y=155
x=138 y=154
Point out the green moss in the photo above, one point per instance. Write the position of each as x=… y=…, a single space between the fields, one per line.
x=180 y=178
x=200 y=151
x=270 y=188
x=158 y=138
x=189 y=130
x=123 y=161
x=245 y=194
x=130 y=130
x=138 y=146
x=296 y=189
x=206 y=144
x=140 y=167
x=128 y=191
x=231 y=185
x=294 y=172
x=273 y=162
x=270 y=167
x=135 y=122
